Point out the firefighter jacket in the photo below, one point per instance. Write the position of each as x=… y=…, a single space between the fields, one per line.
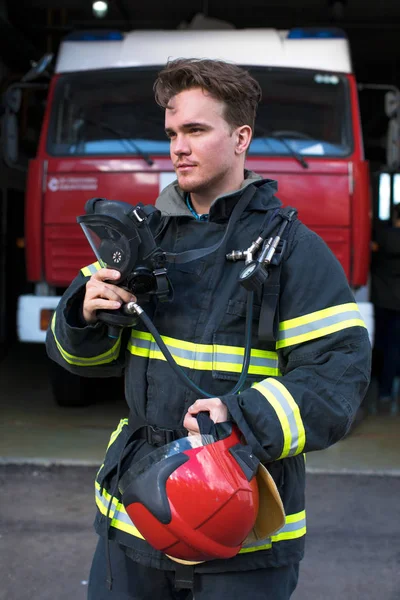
x=302 y=390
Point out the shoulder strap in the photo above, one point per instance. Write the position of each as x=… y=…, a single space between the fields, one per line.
x=269 y=317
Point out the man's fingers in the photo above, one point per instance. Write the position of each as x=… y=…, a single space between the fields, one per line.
x=102 y=304
x=108 y=291
x=190 y=423
x=216 y=409
x=106 y=274
x=101 y=295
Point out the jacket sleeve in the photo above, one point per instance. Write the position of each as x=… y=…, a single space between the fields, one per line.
x=83 y=349
x=324 y=359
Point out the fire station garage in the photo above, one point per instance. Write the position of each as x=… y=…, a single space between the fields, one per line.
x=79 y=121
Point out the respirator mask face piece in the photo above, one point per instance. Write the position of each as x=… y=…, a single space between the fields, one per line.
x=121 y=237
x=112 y=249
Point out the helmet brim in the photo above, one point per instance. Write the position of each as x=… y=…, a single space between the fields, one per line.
x=271 y=513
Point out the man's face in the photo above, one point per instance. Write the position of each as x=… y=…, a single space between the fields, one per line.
x=202 y=143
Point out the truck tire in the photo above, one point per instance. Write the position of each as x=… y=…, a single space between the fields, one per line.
x=72 y=391
x=68 y=389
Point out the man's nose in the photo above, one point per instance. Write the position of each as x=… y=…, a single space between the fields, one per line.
x=181 y=145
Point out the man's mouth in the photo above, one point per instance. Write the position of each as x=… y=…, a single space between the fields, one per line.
x=184 y=167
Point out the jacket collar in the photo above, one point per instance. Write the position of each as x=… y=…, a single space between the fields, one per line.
x=171 y=201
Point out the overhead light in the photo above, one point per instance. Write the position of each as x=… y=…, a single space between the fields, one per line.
x=100 y=8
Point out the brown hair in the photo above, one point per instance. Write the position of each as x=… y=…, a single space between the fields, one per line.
x=227 y=82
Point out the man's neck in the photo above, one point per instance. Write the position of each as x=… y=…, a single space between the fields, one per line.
x=201 y=202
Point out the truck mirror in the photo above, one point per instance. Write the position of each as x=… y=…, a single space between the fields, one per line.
x=16 y=141
x=393 y=144
x=38 y=68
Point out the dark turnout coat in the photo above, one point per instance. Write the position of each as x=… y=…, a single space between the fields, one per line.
x=302 y=390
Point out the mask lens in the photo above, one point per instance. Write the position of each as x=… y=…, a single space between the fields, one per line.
x=110 y=247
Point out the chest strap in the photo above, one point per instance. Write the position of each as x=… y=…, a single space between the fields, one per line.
x=268 y=326
x=155 y=436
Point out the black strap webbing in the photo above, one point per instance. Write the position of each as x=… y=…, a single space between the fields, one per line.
x=189 y=255
x=269 y=316
x=184 y=575
x=268 y=326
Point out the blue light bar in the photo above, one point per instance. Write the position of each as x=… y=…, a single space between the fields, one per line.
x=94 y=36
x=304 y=33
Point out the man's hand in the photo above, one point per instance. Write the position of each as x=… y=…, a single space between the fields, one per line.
x=214 y=406
x=100 y=295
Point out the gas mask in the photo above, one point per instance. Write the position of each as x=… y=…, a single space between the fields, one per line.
x=122 y=238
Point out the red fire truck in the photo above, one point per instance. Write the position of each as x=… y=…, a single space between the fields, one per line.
x=103 y=135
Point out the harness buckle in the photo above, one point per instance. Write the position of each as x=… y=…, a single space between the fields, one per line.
x=155 y=436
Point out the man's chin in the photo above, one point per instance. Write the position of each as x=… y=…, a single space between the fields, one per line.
x=186 y=185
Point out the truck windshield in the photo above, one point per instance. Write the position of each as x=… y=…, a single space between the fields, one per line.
x=113 y=113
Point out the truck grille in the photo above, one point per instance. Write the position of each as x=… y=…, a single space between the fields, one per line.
x=66 y=251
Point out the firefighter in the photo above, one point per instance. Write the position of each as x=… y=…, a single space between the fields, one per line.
x=309 y=365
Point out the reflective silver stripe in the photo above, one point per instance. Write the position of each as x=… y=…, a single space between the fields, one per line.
x=81 y=361
x=152 y=347
x=91 y=362
x=118 y=515
x=91 y=269
x=319 y=324
x=294 y=528
x=288 y=413
x=116 y=511
x=205 y=357
x=326 y=322
x=255 y=361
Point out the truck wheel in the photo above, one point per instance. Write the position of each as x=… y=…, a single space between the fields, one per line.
x=69 y=389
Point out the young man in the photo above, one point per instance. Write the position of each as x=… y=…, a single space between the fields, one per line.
x=303 y=387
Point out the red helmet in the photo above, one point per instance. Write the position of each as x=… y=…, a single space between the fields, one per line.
x=197 y=498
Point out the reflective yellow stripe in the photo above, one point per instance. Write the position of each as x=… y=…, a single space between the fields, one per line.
x=91 y=269
x=205 y=357
x=319 y=324
x=81 y=361
x=118 y=515
x=294 y=528
x=113 y=437
x=295 y=524
x=288 y=413
x=116 y=433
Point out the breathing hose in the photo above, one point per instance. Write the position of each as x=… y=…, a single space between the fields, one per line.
x=133 y=308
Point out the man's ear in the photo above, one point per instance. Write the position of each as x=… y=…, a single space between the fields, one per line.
x=243 y=138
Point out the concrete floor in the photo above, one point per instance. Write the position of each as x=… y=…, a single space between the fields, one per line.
x=352 y=547
x=33 y=429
